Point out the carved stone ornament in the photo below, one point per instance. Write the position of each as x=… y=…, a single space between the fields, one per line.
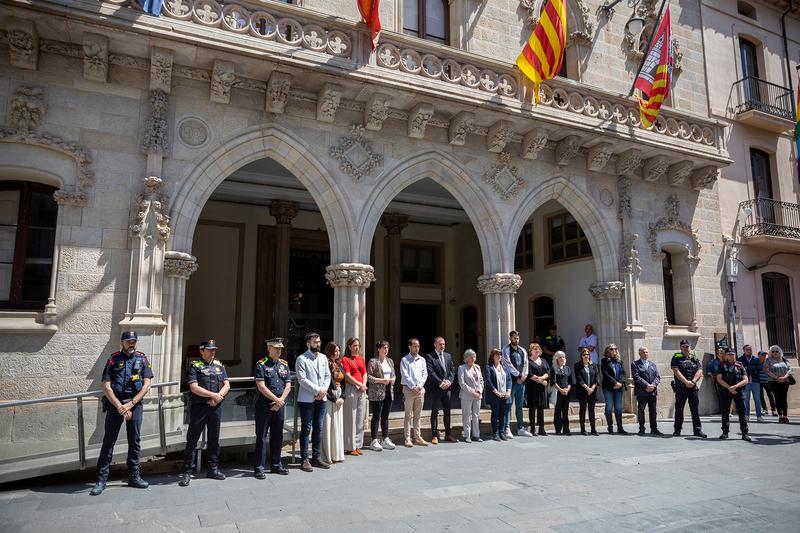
x=23 y=43
x=704 y=178
x=278 y=91
x=179 y=265
x=677 y=55
x=655 y=168
x=500 y=134
x=151 y=217
x=607 y=290
x=155 y=139
x=193 y=132
x=679 y=172
x=629 y=255
x=222 y=78
x=672 y=222
x=418 y=119
x=161 y=60
x=502 y=283
x=624 y=208
x=629 y=162
x=28 y=108
x=355 y=154
x=328 y=102
x=582 y=36
x=534 y=142
x=283 y=211
x=503 y=177
x=567 y=148
x=460 y=126
x=95 y=57
x=376 y=111
x=598 y=156
x=349 y=275
x=76 y=199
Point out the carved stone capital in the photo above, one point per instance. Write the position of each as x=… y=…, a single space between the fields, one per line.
x=222 y=78
x=460 y=126
x=501 y=283
x=156 y=137
x=77 y=198
x=376 y=111
x=278 y=87
x=161 y=60
x=534 y=142
x=95 y=57
x=328 y=102
x=394 y=222
x=179 y=265
x=607 y=290
x=598 y=156
x=349 y=275
x=704 y=178
x=629 y=162
x=28 y=108
x=500 y=134
x=418 y=119
x=679 y=172
x=23 y=43
x=283 y=211
x=655 y=168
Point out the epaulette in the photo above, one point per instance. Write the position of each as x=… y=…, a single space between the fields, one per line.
x=198 y=363
x=678 y=354
x=263 y=361
x=284 y=362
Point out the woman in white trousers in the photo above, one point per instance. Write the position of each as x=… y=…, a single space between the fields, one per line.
x=470 y=378
x=354 y=397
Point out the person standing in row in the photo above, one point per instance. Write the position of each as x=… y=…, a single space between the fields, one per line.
x=314 y=377
x=274 y=383
x=441 y=374
x=614 y=386
x=562 y=382
x=515 y=359
x=126 y=380
x=766 y=392
x=498 y=392
x=590 y=343
x=587 y=379
x=712 y=369
x=208 y=383
x=471 y=382
x=333 y=423
x=645 y=387
x=381 y=378
x=413 y=375
x=550 y=345
x=688 y=374
x=732 y=379
x=754 y=367
x=780 y=376
x=536 y=387
x=355 y=388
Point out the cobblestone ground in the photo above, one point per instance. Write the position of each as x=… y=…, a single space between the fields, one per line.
x=554 y=483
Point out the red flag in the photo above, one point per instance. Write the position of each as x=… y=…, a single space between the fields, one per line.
x=655 y=78
x=371 y=17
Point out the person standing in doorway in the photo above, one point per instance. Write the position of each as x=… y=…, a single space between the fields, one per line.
x=515 y=359
x=413 y=375
x=441 y=374
x=589 y=341
x=551 y=344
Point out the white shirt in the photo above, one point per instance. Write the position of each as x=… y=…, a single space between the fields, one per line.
x=413 y=371
x=387 y=369
x=591 y=340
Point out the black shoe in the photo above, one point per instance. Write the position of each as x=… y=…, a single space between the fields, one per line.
x=260 y=474
x=558 y=432
x=503 y=436
x=641 y=431
x=676 y=433
x=700 y=434
x=746 y=437
x=610 y=430
x=567 y=433
x=214 y=473
x=135 y=480
x=319 y=463
x=723 y=436
x=98 y=488
x=496 y=438
x=621 y=431
x=583 y=432
x=542 y=432
x=594 y=432
x=655 y=432
x=186 y=478
x=280 y=470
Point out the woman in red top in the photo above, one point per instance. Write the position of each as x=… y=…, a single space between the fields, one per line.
x=354 y=397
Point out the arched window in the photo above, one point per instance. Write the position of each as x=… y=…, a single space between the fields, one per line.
x=428 y=19
x=778 y=311
x=28 y=216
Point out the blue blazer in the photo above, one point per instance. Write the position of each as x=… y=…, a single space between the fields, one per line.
x=492 y=386
x=642 y=378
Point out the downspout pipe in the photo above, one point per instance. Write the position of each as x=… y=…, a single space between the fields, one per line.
x=786 y=54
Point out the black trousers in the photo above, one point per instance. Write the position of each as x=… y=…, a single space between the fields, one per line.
x=440 y=400
x=380 y=413
x=113 y=424
x=650 y=403
x=272 y=421
x=725 y=399
x=589 y=401
x=781 y=391
x=682 y=395
x=202 y=416
x=561 y=414
x=767 y=391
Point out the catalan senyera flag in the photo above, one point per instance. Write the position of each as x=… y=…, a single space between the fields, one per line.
x=542 y=55
x=371 y=17
x=655 y=78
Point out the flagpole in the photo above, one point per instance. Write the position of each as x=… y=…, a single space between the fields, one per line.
x=649 y=45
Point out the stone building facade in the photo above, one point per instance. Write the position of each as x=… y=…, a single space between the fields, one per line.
x=249 y=169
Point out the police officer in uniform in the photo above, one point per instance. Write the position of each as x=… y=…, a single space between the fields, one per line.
x=688 y=374
x=208 y=383
x=274 y=383
x=732 y=378
x=551 y=344
x=126 y=380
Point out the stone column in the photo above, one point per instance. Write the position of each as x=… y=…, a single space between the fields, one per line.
x=283 y=211
x=498 y=291
x=394 y=224
x=350 y=282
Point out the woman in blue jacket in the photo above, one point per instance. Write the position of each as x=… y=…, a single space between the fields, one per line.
x=498 y=392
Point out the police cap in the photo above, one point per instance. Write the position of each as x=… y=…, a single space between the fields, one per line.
x=277 y=342
x=208 y=345
x=684 y=342
x=129 y=336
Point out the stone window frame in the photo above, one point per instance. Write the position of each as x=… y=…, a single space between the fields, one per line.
x=794 y=283
x=421 y=34
x=683 y=293
x=580 y=257
x=439 y=257
x=532 y=251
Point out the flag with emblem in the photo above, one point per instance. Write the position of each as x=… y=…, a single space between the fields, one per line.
x=371 y=17
x=655 y=77
x=542 y=55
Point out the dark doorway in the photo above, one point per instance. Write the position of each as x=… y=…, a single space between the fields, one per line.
x=778 y=311
x=469 y=329
x=421 y=321
x=544 y=316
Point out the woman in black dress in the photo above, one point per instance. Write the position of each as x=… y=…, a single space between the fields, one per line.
x=561 y=375
x=536 y=386
x=587 y=378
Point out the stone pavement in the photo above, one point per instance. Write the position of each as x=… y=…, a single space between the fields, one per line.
x=554 y=483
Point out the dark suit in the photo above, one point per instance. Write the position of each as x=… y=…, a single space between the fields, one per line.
x=584 y=398
x=497 y=404
x=440 y=398
x=642 y=377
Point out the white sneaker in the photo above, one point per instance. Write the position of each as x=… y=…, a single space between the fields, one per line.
x=508 y=433
x=524 y=433
x=760 y=419
x=748 y=419
x=376 y=446
x=388 y=444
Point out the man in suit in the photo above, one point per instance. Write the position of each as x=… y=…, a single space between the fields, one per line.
x=440 y=379
x=645 y=386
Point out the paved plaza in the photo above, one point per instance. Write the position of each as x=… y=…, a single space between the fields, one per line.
x=553 y=483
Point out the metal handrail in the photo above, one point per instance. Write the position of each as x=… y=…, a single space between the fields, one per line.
x=765 y=216
x=760 y=95
x=75 y=396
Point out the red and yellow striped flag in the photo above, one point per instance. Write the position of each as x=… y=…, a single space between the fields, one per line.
x=542 y=55
x=371 y=17
x=655 y=77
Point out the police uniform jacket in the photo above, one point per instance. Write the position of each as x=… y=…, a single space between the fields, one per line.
x=126 y=373
x=274 y=374
x=210 y=376
x=687 y=365
x=732 y=373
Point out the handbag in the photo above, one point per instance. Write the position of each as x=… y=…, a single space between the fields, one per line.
x=790 y=380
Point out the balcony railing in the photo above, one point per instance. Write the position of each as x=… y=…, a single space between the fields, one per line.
x=760 y=95
x=771 y=218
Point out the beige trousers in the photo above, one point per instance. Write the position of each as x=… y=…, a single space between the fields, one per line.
x=412 y=404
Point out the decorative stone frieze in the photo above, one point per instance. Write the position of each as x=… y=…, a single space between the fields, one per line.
x=355 y=154
x=624 y=208
x=598 y=156
x=278 y=87
x=161 y=61
x=328 y=102
x=629 y=255
x=460 y=126
x=179 y=265
x=629 y=162
x=607 y=290
x=376 y=111
x=23 y=43
x=500 y=134
x=28 y=108
x=679 y=172
x=349 y=275
x=95 y=57
x=672 y=221
x=534 y=142
x=418 y=119
x=501 y=283
x=655 y=168
x=704 y=178
x=152 y=209
x=76 y=199
x=222 y=78
x=155 y=139
x=503 y=177
x=567 y=148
